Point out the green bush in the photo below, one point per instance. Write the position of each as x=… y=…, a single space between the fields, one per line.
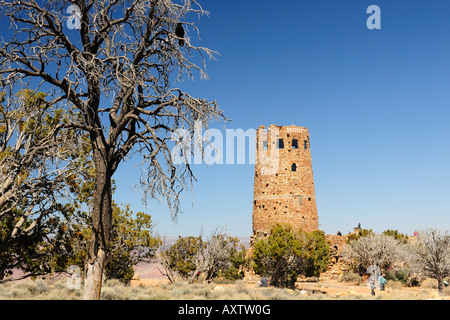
x=285 y=254
x=397 y=275
x=402 y=238
x=182 y=255
x=359 y=234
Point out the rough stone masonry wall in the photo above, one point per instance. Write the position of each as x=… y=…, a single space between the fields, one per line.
x=284 y=184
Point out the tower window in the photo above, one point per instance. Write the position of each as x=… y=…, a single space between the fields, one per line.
x=294 y=144
x=305 y=144
x=280 y=144
x=265 y=147
x=293 y=167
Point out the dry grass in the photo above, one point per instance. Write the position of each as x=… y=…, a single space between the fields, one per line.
x=240 y=290
x=38 y=289
x=429 y=284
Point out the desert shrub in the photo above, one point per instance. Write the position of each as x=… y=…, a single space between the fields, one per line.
x=312 y=279
x=318 y=252
x=359 y=234
x=429 y=254
x=224 y=257
x=402 y=275
x=115 y=283
x=224 y=280
x=221 y=256
x=37 y=287
x=395 y=284
x=109 y=293
x=350 y=277
x=237 y=260
x=390 y=275
x=285 y=254
x=183 y=253
x=121 y=266
x=398 y=275
x=29 y=288
x=429 y=283
x=446 y=291
x=400 y=237
x=373 y=250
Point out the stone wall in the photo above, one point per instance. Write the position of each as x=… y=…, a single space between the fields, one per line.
x=283 y=183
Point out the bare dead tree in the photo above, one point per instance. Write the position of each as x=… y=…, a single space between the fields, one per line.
x=208 y=257
x=214 y=257
x=164 y=260
x=374 y=250
x=429 y=254
x=116 y=68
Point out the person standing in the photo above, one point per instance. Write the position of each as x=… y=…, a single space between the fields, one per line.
x=382 y=281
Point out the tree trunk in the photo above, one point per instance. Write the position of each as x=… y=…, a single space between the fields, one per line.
x=440 y=285
x=94 y=276
x=101 y=227
x=439 y=278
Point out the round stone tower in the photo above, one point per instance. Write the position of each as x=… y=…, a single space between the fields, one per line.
x=284 y=185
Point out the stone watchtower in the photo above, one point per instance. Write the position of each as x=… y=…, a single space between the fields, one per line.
x=284 y=185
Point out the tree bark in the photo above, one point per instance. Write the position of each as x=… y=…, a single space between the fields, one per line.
x=440 y=280
x=101 y=226
x=94 y=276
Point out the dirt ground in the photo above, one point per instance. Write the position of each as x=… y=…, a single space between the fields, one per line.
x=335 y=288
x=331 y=289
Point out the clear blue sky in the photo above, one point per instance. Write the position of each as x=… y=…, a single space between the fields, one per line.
x=376 y=103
